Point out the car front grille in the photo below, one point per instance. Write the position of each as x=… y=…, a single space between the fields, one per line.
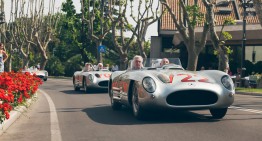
x=103 y=83
x=192 y=97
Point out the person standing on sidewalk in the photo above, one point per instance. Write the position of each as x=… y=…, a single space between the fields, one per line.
x=3 y=57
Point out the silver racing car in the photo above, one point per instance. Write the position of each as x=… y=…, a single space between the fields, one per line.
x=171 y=87
x=91 y=79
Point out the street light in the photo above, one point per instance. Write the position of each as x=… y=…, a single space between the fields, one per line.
x=245 y=5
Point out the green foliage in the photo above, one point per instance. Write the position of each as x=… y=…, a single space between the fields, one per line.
x=227 y=48
x=69 y=8
x=73 y=64
x=229 y=21
x=134 y=50
x=55 y=67
x=195 y=16
x=227 y=35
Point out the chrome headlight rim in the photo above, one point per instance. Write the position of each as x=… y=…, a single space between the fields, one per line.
x=149 y=84
x=227 y=82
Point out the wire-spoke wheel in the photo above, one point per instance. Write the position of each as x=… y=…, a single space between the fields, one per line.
x=76 y=88
x=137 y=109
x=85 y=86
x=218 y=113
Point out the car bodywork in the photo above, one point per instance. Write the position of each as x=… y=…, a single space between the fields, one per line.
x=171 y=87
x=91 y=79
x=43 y=74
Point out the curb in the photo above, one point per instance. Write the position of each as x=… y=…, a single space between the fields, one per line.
x=249 y=93
x=15 y=114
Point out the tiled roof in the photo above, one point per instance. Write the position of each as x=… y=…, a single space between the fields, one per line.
x=236 y=13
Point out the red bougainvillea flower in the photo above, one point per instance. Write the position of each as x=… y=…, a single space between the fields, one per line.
x=15 y=88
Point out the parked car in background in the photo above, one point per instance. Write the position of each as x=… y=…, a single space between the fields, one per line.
x=157 y=87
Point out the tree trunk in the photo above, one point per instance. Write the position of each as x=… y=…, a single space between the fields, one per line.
x=43 y=63
x=123 y=62
x=192 y=61
x=142 y=49
x=223 y=59
x=26 y=62
x=9 y=60
x=44 y=60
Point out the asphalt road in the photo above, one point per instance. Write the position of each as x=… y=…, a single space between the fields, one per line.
x=77 y=116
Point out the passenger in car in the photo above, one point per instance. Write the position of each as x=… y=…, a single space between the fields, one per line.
x=164 y=61
x=99 y=66
x=137 y=62
x=87 y=67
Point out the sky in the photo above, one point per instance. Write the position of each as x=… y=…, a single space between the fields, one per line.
x=152 y=30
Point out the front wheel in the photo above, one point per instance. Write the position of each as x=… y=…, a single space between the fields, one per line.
x=76 y=88
x=218 y=113
x=85 y=86
x=137 y=109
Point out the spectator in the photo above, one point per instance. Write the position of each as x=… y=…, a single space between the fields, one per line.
x=137 y=63
x=3 y=57
x=202 y=68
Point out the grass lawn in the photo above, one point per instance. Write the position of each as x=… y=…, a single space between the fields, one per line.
x=253 y=90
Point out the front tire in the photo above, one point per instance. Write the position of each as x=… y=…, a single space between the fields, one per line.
x=76 y=88
x=138 y=112
x=85 y=86
x=218 y=113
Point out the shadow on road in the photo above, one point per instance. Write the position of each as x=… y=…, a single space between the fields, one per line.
x=105 y=115
x=93 y=91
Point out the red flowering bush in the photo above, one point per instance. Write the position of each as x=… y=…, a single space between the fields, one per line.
x=15 y=88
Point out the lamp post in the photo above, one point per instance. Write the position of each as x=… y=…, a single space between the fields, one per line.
x=245 y=5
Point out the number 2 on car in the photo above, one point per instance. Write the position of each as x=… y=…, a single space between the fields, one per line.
x=194 y=78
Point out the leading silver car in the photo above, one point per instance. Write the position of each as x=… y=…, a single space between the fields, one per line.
x=171 y=87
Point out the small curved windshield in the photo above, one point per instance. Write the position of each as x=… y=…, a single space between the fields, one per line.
x=152 y=63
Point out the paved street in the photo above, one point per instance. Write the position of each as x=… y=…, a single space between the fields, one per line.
x=77 y=116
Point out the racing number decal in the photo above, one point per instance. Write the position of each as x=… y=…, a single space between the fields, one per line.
x=187 y=78
x=190 y=78
x=106 y=75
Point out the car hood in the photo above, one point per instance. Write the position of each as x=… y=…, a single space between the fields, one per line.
x=178 y=76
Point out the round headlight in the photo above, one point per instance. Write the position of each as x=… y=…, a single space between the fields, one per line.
x=227 y=82
x=149 y=84
x=91 y=77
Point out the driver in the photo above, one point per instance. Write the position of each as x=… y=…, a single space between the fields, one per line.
x=87 y=67
x=137 y=63
x=164 y=61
